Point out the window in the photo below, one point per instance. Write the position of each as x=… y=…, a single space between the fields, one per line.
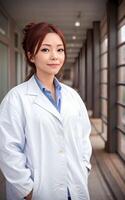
x=3 y=70
x=16 y=40
x=104 y=46
x=121 y=144
x=18 y=67
x=121 y=55
x=121 y=34
x=103 y=82
x=121 y=89
x=3 y=24
x=104 y=60
x=104 y=75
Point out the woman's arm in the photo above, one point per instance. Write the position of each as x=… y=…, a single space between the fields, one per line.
x=85 y=140
x=12 y=143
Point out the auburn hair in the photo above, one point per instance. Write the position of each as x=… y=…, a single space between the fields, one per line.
x=34 y=34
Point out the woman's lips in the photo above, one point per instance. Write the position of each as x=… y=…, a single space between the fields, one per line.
x=53 y=65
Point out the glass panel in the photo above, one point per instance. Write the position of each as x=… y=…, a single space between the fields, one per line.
x=104 y=131
x=16 y=38
x=121 y=118
x=3 y=70
x=104 y=90
x=121 y=94
x=121 y=55
x=121 y=75
x=23 y=67
x=104 y=60
x=121 y=144
x=18 y=67
x=3 y=24
x=121 y=34
x=104 y=107
x=103 y=27
x=104 y=75
x=104 y=45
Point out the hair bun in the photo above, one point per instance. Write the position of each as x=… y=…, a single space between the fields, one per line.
x=28 y=27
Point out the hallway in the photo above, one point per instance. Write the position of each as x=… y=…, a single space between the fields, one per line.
x=95 y=68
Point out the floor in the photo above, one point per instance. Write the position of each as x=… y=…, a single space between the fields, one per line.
x=107 y=177
x=2 y=188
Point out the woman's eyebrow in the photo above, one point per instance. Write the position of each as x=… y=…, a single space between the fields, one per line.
x=51 y=45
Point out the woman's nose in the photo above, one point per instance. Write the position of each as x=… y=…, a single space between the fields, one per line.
x=54 y=55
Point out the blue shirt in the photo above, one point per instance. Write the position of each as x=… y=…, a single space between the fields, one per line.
x=47 y=93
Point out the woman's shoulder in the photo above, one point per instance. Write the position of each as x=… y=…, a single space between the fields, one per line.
x=18 y=89
x=15 y=93
x=69 y=89
x=72 y=93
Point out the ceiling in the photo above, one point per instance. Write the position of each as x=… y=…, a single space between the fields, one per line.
x=62 y=13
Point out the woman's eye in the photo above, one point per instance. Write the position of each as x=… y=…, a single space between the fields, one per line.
x=45 y=50
x=60 y=50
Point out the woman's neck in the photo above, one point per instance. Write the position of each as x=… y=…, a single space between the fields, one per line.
x=47 y=81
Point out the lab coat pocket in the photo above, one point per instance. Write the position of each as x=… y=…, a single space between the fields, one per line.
x=36 y=185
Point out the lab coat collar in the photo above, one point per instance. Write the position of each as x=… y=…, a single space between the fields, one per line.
x=41 y=100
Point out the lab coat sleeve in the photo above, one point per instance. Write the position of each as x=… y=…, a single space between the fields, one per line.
x=86 y=144
x=12 y=143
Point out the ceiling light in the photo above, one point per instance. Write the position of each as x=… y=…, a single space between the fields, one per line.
x=78 y=19
x=74 y=37
x=77 y=23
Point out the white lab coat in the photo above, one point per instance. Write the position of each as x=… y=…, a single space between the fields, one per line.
x=41 y=148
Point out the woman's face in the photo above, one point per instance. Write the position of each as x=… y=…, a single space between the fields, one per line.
x=50 y=56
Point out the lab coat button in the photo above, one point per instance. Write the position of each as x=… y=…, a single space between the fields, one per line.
x=61 y=151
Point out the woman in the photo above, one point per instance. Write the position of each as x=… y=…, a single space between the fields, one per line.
x=44 y=127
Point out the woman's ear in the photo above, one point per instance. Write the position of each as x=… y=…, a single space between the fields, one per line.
x=31 y=58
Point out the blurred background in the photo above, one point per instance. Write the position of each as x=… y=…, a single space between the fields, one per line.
x=95 y=67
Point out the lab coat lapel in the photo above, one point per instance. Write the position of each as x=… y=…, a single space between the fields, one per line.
x=44 y=103
x=41 y=100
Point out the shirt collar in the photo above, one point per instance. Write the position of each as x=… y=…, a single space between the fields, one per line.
x=43 y=88
x=57 y=84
